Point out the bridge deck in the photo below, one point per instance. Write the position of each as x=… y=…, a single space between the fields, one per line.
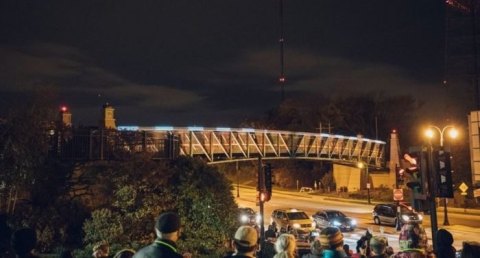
x=228 y=144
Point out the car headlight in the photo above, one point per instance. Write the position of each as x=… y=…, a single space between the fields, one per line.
x=337 y=223
x=296 y=225
x=405 y=217
x=420 y=217
x=244 y=218
x=353 y=222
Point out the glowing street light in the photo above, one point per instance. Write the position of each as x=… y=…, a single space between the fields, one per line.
x=430 y=133
x=453 y=133
x=363 y=165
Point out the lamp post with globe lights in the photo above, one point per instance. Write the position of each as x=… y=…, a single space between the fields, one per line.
x=453 y=133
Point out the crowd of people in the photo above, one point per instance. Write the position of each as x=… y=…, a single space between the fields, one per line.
x=246 y=243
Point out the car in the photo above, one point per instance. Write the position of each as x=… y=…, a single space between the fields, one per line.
x=247 y=216
x=386 y=213
x=334 y=218
x=286 y=220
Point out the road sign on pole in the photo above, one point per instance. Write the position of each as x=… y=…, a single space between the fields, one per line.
x=398 y=194
x=476 y=192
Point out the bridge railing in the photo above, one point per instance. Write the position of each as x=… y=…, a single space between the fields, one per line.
x=227 y=144
x=216 y=145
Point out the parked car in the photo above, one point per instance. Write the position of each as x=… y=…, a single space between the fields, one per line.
x=334 y=218
x=287 y=220
x=386 y=213
x=247 y=216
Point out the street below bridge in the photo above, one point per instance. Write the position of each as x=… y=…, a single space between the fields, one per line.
x=463 y=226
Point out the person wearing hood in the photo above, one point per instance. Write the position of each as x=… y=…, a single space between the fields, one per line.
x=444 y=244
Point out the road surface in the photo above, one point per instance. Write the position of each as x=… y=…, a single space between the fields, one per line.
x=462 y=226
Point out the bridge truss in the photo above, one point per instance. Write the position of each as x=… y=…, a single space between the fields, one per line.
x=218 y=145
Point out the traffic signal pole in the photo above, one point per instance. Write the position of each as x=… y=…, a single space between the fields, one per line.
x=261 y=190
x=431 y=196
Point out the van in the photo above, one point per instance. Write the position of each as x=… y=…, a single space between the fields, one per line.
x=386 y=213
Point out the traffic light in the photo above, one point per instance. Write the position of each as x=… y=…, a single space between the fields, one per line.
x=443 y=175
x=400 y=175
x=416 y=178
x=268 y=181
x=413 y=170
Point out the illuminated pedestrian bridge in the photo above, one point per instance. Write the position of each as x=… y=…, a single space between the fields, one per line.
x=217 y=145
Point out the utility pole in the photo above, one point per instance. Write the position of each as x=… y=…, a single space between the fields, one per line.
x=281 y=40
x=431 y=196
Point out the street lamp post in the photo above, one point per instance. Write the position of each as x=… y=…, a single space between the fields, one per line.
x=238 y=181
x=453 y=134
x=361 y=165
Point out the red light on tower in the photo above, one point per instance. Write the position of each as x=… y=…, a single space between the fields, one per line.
x=63 y=108
x=281 y=79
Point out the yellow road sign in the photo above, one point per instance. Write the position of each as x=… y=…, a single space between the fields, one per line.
x=463 y=187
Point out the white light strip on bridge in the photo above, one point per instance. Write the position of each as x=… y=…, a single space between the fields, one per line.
x=248 y=130
x=223 y=129
x=163 y=128
x=128 y=128
x=195 y=128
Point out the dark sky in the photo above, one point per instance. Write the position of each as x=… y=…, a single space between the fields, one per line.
x=215 y=62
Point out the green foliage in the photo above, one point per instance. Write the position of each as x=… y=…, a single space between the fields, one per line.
x=205 y=202
x=125 y=198
x=104 y=225
x=142 y=189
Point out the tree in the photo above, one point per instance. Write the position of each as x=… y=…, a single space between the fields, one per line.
x=23 y=148
x=142 y=188
x=372 y=114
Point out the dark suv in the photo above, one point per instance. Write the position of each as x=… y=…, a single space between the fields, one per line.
x=387 y=214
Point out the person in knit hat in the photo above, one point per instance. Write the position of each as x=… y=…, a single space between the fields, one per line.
x=444 y=244
x=331 y=240
x=285 y=246
x=167 y=229
x=412 y=242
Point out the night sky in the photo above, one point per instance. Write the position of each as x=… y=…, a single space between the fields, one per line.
x=216 y=62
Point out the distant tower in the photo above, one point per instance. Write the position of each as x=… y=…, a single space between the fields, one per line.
x=108 y=117
x=394 y=156
x=65 y=118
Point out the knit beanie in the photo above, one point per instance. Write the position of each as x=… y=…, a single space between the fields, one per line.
x=331 y=238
